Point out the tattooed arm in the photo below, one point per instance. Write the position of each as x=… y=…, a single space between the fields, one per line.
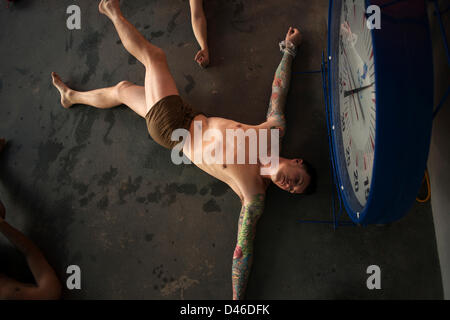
x=243 y=254
x=280 y=86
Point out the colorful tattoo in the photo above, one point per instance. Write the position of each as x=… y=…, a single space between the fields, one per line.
x=243 y=254
x=280 y=88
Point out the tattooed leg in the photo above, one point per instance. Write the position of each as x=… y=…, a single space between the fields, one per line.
x=280 y=88
x=243 y=254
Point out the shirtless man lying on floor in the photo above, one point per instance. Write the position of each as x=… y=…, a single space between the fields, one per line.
x=165 y=111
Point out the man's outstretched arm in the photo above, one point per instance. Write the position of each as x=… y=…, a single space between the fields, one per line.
x=243 y=253
x=280 y=85
x=199 y=25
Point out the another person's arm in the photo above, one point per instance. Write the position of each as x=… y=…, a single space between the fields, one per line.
x=47 y=284
x=251 y=211
x=280 y=85
x=199 y=25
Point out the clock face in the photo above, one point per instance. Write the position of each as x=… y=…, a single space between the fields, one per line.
x=357 y=104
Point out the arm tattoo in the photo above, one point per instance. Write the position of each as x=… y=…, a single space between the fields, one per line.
x=243 y=254
x=280 y=88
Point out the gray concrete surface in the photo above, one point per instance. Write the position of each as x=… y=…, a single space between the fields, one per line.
x=92 y=189
x=439 y=159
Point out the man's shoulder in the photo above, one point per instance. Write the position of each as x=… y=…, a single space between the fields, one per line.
x=254 y=191
x=252 y=184
x=255 y=202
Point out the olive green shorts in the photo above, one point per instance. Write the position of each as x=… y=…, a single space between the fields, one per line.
x=167 y=115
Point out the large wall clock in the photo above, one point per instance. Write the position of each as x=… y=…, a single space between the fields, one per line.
x=380 y=84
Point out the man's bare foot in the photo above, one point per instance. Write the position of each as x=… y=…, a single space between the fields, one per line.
x=63 y=90
x=109 y=8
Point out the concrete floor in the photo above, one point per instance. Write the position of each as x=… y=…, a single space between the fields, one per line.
x=90 y=188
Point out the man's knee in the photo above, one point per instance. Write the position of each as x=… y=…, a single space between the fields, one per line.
x=122 y=85
x=154 y=56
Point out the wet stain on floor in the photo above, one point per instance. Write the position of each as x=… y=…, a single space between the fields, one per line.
x=211 y=206
x=89 y=49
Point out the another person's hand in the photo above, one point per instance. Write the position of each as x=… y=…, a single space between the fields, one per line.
x=293 y=35
x=2 y=210
x=202 y=58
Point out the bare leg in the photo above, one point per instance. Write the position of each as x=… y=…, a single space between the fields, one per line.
x=159 y=82
x=123 y=93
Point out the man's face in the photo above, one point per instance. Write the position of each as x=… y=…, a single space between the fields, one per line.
x=292 y=176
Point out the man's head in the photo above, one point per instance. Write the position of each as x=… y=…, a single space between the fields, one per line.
x=295 y=176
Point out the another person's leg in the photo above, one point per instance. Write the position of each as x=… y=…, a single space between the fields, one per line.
x=159 y=82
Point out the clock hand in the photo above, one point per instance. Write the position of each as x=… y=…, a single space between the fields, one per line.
x=352 y=80
x=350 y=92
x=354 y=90
x=361 y=108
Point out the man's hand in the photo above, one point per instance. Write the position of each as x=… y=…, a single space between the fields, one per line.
x=293 y=35
x=202 y=58
x=199 y=26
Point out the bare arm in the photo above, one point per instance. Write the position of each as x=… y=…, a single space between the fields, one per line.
x=280 y=85
x=251 y=211
x=48 y=285
x=199 y=25
x=280 y=88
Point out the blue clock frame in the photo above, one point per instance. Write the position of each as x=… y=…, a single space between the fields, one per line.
x=404 y=109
